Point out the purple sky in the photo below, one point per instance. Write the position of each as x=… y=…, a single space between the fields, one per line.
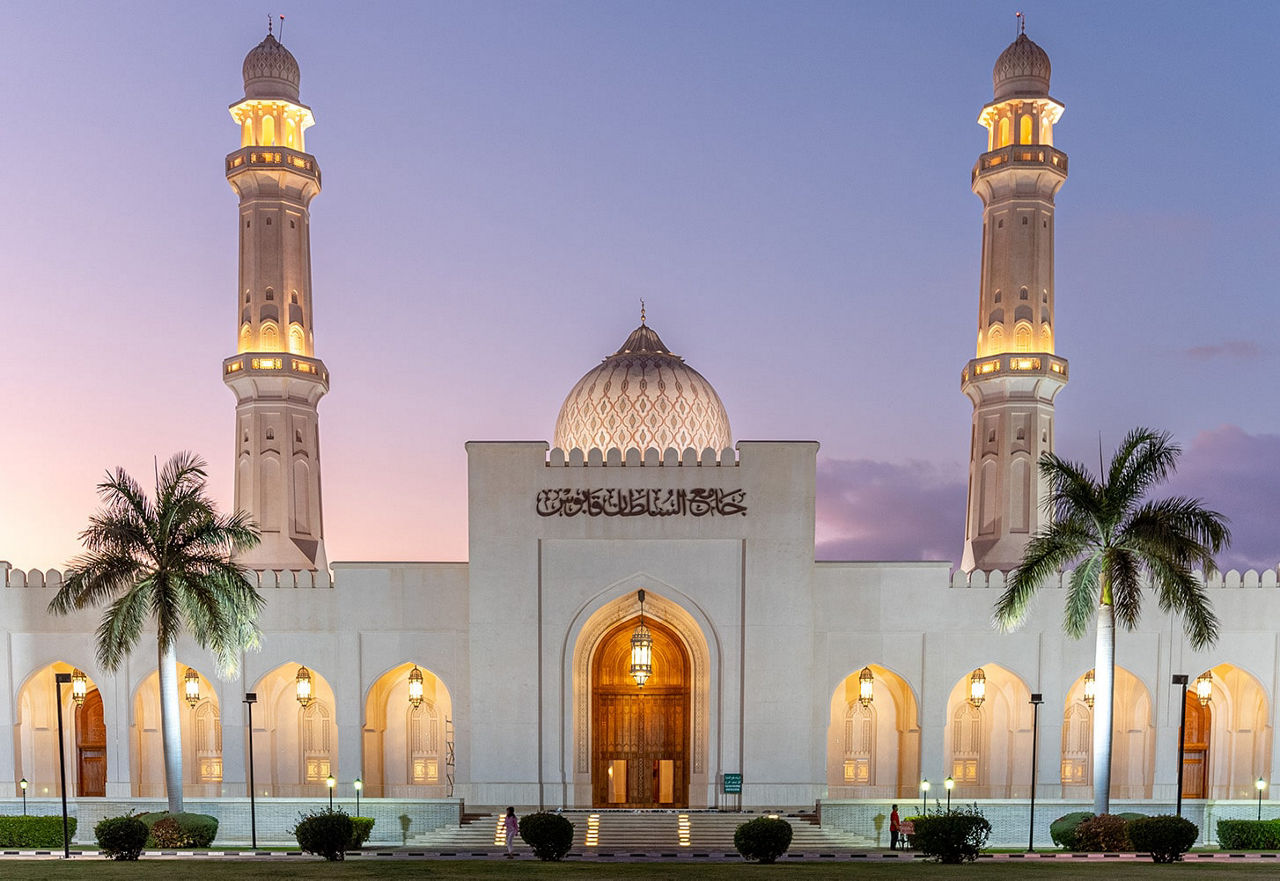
x=786 y=184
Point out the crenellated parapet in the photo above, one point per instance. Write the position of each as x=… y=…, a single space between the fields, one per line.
x=652 y=458
x=1232 y=578
x=260 y=578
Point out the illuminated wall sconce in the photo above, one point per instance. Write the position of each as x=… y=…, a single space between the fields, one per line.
x=191 y=687
x=415 y=687
x=866 y=687
x=1204 y=688
x=641 y=649
x=79 y=687
x=977 y=688
x=1090 y=689
x=302 y=686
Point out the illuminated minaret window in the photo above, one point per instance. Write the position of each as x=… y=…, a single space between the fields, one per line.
x=1016 y=375
x=275 y=375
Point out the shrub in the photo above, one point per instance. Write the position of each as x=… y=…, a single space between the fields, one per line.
x=764 y=839
x=121 y=838
x=325 y=833
x=43 y=831
x=550 y=835
x=1165 y=837
x=1249 y=834
x=1063 y=829
x=196 y=830
x=166 y=832
x=1105 y=832
x=361 y=828
x=954 y=836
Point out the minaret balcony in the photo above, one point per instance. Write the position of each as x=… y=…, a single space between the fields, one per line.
x=268 y=158
x=1020 y=155
x=276 y=364
x=1013 y=364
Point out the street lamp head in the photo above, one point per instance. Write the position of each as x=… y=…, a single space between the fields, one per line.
x=949 y=784
x=330 y=782
x=1179 y=678
x=23 y=783
x=250 y=697
x=1037 y=698
x=924 y=785
x=1260 y=784
x=358 y=784
x=62 y=678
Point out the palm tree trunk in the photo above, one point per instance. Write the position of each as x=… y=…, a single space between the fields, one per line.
x=1104 y=672
x=171 y=728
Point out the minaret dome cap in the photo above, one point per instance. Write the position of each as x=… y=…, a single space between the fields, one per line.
x=1021 y=70
x=271 y=71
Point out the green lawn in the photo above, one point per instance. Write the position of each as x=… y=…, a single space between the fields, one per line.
x=210 y=869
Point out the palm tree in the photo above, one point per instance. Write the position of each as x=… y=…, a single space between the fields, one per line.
x=1118 y=541
x=165 y=561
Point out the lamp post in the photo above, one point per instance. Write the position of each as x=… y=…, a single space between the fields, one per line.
x=62 y=679
x=924 y=796
x=251 y=698
x=948 y=785
x=1036 y=700
x=1181 y=679
x=331 y=783
x=23 y=784
x=1259 y=784
x=359 y=785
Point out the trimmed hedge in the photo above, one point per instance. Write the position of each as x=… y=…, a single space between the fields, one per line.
x=121 y=838
x=361 y=829
x=955 y=836
x=193 y=830
x=764 y=839
x=42 y=831
x=550 y=835
x=1165 y=837
x=1105 y=833
x=1249 y=834
x=325 y=833
x=1063 y=829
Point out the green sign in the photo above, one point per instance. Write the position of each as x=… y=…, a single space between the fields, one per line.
x=732 y=784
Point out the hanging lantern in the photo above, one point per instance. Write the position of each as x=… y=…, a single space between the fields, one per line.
x=1090 y=689
x=1204 y=688
x=641 y=650
x=977 y=688
x=303 y=686
x=191 y=687
x=79 y=687
x=866 y=687
x=415 y=687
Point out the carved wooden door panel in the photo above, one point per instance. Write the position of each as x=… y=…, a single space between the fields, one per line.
x=91 y=747
x=1195 y=750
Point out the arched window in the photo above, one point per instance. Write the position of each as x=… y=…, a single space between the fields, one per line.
x=995 y=340
x=424 y=744
x=966 y=744
x=293 y=298
x=316 y=750
x=1077 y=745
x=208 y=743
x=271 y=294
x=997 y=297
x=859 y=744
x=246 y=132
x=1046 y=338
x=1024 y=129
x=296 y=340
x=1022 y=338
x=1005 y=138
x=290 y=132
x=246 y=337
x=268 y=339
x=268 y=131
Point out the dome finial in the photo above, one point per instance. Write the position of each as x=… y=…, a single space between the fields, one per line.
x=1022 y=24
x=642 y=310
x=268 y=24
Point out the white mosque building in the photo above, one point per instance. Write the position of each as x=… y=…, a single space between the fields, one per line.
x=514 y=678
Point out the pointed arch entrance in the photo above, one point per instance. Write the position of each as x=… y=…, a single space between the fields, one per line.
x=640 y=735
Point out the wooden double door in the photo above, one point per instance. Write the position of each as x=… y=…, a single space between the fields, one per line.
x=91 y=747
x=640 y=735
x=1195 y=750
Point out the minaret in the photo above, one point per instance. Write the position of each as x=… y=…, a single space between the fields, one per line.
x=275 y=375
x=1015 y=377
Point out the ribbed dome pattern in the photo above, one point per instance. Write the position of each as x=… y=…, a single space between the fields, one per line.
x=1021 y=69
x=643 y=396
x=271 y=71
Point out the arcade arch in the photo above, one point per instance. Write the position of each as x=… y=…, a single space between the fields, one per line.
x=873 y=748
x=408 y=749
x=84 y=734
x=988 y=747
x=1227 y=743
x=296 y=747
x=201 y=728
x=1132 y=740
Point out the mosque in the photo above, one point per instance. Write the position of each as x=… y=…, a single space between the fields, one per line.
x=641 y=622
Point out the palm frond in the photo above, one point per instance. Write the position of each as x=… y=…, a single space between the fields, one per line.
x=1082 y=596
x=1124 y=578
x=1047 y=553
x=1144 y=459
x=122 y=625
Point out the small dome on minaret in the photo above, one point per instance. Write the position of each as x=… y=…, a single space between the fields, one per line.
x=271 y=71
x=1022 y=69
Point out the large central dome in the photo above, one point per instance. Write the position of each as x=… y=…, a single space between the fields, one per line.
x=643 y=396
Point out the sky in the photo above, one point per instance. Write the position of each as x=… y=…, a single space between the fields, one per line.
x=786 y=185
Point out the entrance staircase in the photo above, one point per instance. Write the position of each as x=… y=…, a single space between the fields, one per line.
x=640 y=832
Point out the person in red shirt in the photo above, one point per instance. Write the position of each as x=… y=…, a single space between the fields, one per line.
x=895 y=826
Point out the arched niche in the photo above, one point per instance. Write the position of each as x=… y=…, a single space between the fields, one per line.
x=201 y=728
x=591 y=635
x=84 y=736
x=1237 y=748
x=873 y=751
x=407 y=749
x=295 y=747
x=987 y=748
x=1133 y=740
